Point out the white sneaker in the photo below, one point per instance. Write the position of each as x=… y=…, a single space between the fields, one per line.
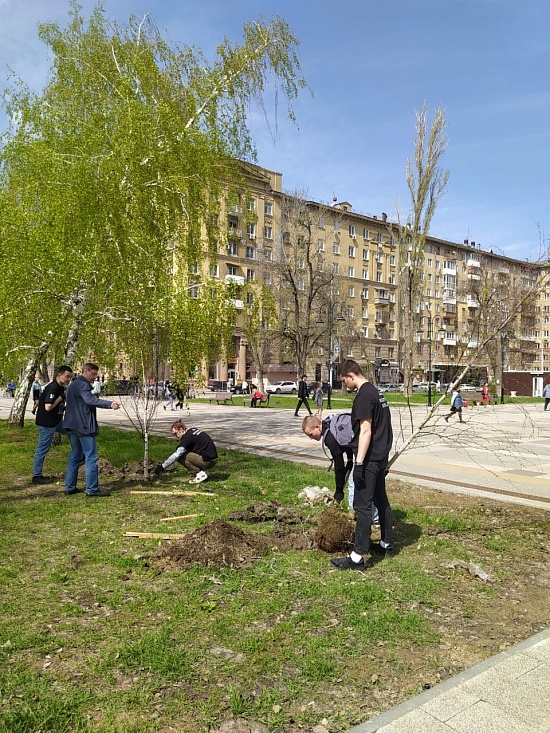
x=199 y=478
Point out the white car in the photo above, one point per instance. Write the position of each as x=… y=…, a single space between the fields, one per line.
x=283 y=388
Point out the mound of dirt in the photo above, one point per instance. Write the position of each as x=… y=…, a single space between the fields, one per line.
x=128 y=472
x=335 y=531
x=217 y=544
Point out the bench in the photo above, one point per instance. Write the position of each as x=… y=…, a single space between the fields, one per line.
x=224 y=397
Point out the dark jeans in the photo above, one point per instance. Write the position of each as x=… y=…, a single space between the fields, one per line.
x=546 y=402
x=371 y=489
x=303 y=401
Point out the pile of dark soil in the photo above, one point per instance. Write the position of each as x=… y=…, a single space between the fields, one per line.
x=217 y=544
x=222 y=544
x=268 y=512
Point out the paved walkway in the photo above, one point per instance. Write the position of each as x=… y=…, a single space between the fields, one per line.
x=499 y=452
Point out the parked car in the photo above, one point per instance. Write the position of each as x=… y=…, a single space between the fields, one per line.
x=423 y=387
x=217 y=385
x=282 y=388
x=388 y=388
x=312 y=386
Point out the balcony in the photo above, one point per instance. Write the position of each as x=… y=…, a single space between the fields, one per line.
x=474 y=264
x=472 y=302
x=450 y=341
x=237 y=279
x=384 y=300
x=238 y=304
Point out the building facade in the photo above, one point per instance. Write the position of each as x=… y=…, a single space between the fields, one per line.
x=465 y=294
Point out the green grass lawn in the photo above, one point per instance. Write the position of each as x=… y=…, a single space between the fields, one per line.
x=94 y=636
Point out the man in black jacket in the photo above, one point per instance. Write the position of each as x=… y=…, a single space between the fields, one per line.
x=302 y=396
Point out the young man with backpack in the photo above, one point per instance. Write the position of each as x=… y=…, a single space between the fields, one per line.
x=336 y=433
x=372 y=441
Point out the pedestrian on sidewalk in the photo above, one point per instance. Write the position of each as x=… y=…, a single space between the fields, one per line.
x=36 y=390
x=49 y=414
x=80 y=422
x=371 y=444
x=546 y=395
x=318 y=399
x=456 y=405
x=196 y=451
x=302 y=396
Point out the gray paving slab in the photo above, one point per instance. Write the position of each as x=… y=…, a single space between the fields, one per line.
x=508 y=693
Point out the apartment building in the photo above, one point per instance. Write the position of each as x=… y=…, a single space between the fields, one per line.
x=465 y=293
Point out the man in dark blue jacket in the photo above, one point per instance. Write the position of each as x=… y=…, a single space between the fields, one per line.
x=80 y=422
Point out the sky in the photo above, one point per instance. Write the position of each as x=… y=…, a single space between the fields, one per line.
x=371 y=64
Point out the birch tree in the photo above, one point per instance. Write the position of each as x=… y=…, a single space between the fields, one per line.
x=112 y=172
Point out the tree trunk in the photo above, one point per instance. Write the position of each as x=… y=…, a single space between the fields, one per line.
x=16 y=417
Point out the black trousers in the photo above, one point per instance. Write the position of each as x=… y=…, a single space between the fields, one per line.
x=303 y=401
x=371 y=489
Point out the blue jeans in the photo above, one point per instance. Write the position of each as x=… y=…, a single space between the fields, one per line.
x=82 y=446
x=45 y=437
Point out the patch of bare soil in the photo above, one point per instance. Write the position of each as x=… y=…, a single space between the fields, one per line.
x=222 y=544
x=217 y=544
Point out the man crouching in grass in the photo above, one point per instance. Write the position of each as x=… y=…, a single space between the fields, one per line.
x=196 y=451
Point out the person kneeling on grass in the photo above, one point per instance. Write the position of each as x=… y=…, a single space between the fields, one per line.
x=196 y=451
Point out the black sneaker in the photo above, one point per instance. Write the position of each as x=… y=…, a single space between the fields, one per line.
x=42 y=479
x=98 y=493
x=377 y=549
x=74 y=491
x=346 y=563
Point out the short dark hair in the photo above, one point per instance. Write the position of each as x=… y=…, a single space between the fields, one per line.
x=349 y=366
x=304 y=376
x=62 y=369
x=88 y=366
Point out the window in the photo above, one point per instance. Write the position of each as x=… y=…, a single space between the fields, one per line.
x=249 y=253
x=267 y=255
x=379 y=237
x=268 y=208
x=377 y=350
x=231 y=270
x=391 y=279
x=267 y=278
x=351 y=271
x=365 y=274
x=335 y=268
x=194 y=291
x=268 y=232
x=365 y=293
x=365 y=233
x=430 y=262
x=351 y=292
x=214 y=270
x=351 y=251
x=390 y=351
x=429 y=277
x=351 y=230
x=378 y=277
x=437 y=263
x=251 y=230
x=232 y=248
x=337 y=227
x=251 y=205
x=233 y=222
x=250 y=298
x=250 y=276
x=336 y=248
x=320 y=245
x=365 y=331
x=321 y=222
x=300 y=284
x=365 y=255
x=392 y=259
x=392 y=240
x=194 y=268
